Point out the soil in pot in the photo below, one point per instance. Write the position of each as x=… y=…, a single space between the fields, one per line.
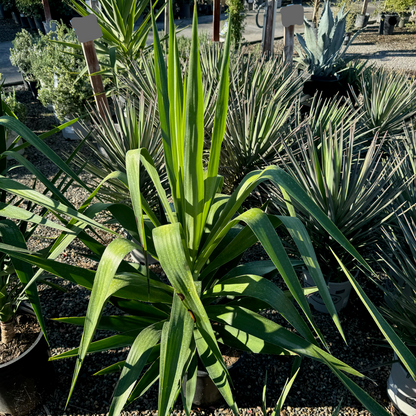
x=27 y=330
x=26 y=377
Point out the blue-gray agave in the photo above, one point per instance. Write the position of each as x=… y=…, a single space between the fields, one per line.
x=323 y=47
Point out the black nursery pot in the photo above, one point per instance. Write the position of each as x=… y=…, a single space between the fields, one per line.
x=327 y=86
x=26 y=380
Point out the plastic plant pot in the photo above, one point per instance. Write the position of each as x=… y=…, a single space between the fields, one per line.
x=340 y=294
x=401 y=389
x=26 y=380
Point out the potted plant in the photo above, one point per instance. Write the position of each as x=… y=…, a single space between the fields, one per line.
x=401 y=7
x=399 y=264
x=387 y=100
x=21 y=56
x=58 y=75
x=339 y=176
x=322 y=53
x=25 y=374
x=199 y=240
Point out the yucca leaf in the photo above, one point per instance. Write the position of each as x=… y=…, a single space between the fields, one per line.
x=100 y=293
x=176 y=338
x=135 y=362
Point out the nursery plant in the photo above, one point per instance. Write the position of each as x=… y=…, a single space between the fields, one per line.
x=399 y=265
x=121 y=42
x=21 y=53
x=260 y=111
x=61 y=73
x=198 y=239
x=323 y=50
x=132 y=129
x=349 y=183
x=388 y=100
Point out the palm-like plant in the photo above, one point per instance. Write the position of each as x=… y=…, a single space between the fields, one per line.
x=351 y=185
x=388 y=100
x=199 y=241
x=260 y=109
x=133 y=129
x=400 y=270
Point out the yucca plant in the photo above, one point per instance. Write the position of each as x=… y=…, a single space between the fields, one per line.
x=323 y=54
x=404 y=148
x=399 y=265
x=16 y=274
x=260 y=111
x=388 y=100
x=349 y=183
x=199 y=241
x=326 y=114
x=110 y=141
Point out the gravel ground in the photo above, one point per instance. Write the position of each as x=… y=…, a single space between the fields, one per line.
x=315 y=392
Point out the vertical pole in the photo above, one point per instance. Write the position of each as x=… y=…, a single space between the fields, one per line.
x=315 y=12
x=47 y=10
x=289 y=40
x=96 y=80
x=216 y=15
x=364 y=9
x=268 y=32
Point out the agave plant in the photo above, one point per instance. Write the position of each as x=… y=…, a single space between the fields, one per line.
x=388 y=100
x=199 y=241
x=351 y=185
x=323 y=48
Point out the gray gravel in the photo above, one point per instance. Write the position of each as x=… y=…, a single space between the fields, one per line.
x=315 y=392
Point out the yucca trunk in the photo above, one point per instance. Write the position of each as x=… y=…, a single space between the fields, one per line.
x=7 y=331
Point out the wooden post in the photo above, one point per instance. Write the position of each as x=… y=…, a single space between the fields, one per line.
x=289 y=40
x=364 y=9
x=315 y=12
x=268 y=41
x=216 y=16
x=96 y=80
x=47 y=10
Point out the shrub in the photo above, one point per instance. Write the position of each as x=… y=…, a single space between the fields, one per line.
x=57 y=69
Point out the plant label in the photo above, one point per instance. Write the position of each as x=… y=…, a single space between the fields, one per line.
x=86 y=28
x=292 y=15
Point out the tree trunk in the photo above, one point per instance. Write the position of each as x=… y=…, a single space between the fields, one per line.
x=7 y=331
